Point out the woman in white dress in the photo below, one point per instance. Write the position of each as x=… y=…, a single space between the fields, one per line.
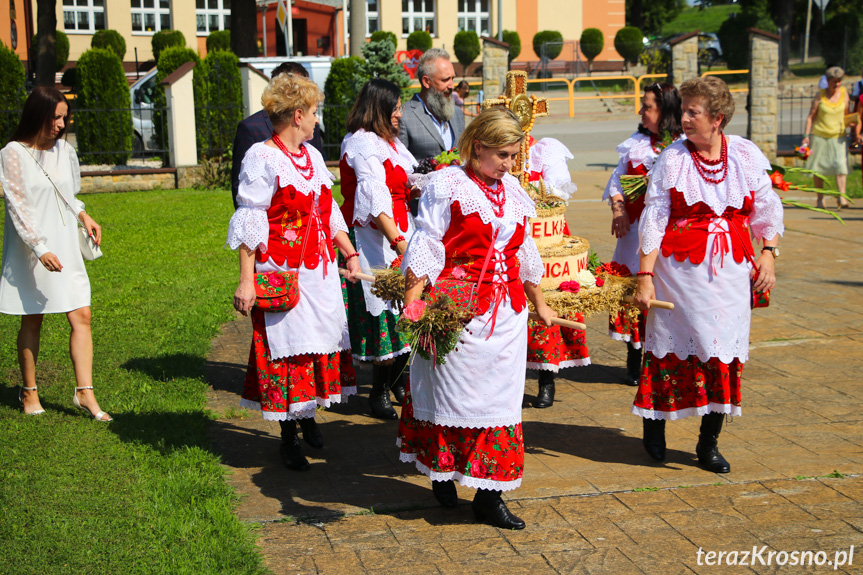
x=707 y=195
x=660 y=125
x=462 y=419
x=288 y=221
x=43 y=270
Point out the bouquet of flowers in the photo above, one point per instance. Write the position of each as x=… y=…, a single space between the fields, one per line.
x=634 y=187
x=432 y=326
x=802 y=152
x=777 y=178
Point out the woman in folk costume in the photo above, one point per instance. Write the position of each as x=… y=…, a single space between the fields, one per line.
x=550 y=349
x=707 y=195
x=462 y=419
x=374 y=168
x=287 y=221
x=660 y=125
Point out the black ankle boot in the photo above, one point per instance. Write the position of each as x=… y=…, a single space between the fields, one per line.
x=292 y=454
x=488 y=506
x=399 y=374
x=445 y=493
x=311 y=432
x=545 y=396
x=379 y=398
x=708 y=444
x=633 y=365
x=654 y=438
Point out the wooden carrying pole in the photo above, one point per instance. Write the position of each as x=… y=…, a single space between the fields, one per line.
x=654 y=303
x=559 y=321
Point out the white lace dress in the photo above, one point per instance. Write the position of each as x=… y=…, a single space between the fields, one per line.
x=38 y=222
x=548 y=158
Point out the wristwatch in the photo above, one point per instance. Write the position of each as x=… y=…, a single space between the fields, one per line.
x=772 y=250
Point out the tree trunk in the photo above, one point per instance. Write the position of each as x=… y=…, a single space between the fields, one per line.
x=244 y=28
x=46 y=50
x=784 y=19
x=636 y=15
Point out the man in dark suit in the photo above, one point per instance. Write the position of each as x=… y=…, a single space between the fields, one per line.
x=431 y=123
x=257 y=128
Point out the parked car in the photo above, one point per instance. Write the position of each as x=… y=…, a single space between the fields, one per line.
x=709 y=50
x=142 y=95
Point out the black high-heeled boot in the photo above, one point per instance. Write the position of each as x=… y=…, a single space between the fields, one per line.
x=445 y=493
x=399 y=373
x=708 y=444
x=545 y=395
x=292 y=454
x=633 y=365
x=488 y=506
x=654 y=438
x=379 y=398
x=311 y=432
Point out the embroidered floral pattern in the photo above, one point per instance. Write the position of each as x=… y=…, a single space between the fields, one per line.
x=557 y=346
x=630 y=331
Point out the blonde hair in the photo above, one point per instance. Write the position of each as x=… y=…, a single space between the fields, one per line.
x=834 y=72
x=287 y=93
x=493 y=128
x=714 y=92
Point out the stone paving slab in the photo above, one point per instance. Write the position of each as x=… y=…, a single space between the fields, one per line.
x=593 y=501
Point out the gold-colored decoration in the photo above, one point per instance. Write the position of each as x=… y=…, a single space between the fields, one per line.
x=522 y=107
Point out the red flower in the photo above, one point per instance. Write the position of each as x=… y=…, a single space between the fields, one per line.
x=600 y=282
x=275 y=394
x=614 y=269
x=276 y=279
x=414 y=310
x=458 y=273
x=477 y=469
x=446 y=460
x=570 y=286
x=778 y=182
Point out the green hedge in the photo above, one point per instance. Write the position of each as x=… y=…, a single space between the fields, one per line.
x=544 y=36
x=734 y=37
x=219 y=40
x=592 y=42
x=340 y=92
x=419 y=40
x=12 y=92
x=165 y=39
x=385 y=35
x=170 y=59
x=512 y=38
x=110 y=39
x=466 y=47
x=62 y=48
x=629 y=43
x=218 y=102
x=103 y=119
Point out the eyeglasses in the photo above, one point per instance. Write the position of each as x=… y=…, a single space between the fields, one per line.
x=397 y=111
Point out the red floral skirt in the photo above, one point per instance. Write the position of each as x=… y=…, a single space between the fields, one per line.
x=481 y=458
x=621 y=328
x=673 y=388
x=293 y=387
x=554 y=348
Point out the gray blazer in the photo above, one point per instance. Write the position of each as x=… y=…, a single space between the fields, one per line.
x=419 y=134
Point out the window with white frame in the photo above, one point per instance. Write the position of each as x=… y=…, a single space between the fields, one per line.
x=372 y=18
x=473 y=16
x=213 y=15
x=150 y=16
x=418 y=15
x=83 y=15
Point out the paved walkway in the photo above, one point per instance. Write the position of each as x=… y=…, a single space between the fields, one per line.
x=593 y=501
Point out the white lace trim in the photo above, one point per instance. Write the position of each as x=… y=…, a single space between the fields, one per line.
x=304 y=410
x=308 y=348
x=726 y=408
x=337 y=221
x=555 y=368
x=548 y=151
x=370 y=201
x=425 y=256
x=262 y=161
x=17 y=201
x=563 y=191
x=532 y=267
x=452 y=184
x=249 y=226
x=624 y=337
x=548 y=156
x=402 y=351
x=370 y=145
x=464 y=480
x=637 y=149
x=434 y=418
x=736 y=346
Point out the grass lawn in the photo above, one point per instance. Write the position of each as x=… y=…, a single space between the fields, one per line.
x=853 y=187
x=707 y=20
x=144 y=494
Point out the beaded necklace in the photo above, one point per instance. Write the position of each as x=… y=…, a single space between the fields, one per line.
x=713 y=167
x=303 y=152
x=496 y=196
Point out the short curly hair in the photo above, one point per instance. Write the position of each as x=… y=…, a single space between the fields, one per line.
x=287 y=93
x=714 y=92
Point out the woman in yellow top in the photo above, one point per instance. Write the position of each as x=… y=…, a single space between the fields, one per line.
x=826 y=123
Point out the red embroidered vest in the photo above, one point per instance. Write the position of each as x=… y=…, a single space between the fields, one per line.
x=689 y=228
x=293 y=218
x=396 y=182
x=635 y=207
x=467 y=244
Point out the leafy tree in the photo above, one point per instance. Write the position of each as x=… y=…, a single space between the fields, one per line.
x=61 y=44
x=419 y=40
x=384 y=35
x=103 y=119
x=110 y=39
x=46 y=47
x=653 y=13
x=832 y=37
x=219 y=40
x=12 y=91
x=512 y=38
x=164 y=39
x=554 y=49
x=340 y=93
x=733 y=35
x=244 y=23
x=170 y=59
x=592 y=42
x=219 y=99
x=466 y=47
x=380 y=62
x=629 y=44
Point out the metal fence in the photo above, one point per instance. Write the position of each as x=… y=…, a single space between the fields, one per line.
x=794 y=105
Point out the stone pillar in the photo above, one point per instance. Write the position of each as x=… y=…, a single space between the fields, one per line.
x=684 y=58
x=254 y=82
x=763 y=91
x=495 y=65
x=180 y=98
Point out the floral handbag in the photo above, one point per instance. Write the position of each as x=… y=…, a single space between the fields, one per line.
x=757 y=298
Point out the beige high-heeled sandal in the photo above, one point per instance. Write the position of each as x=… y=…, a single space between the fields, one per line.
x=21 y=391
x=77 y=403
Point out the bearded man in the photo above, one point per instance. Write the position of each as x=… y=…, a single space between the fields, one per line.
x=431 y=123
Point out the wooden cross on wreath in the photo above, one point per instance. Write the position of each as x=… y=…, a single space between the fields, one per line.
x=527 y=109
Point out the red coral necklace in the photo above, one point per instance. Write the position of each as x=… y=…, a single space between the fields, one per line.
x=497 y=196
x=712 y=167
x=302 y=153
